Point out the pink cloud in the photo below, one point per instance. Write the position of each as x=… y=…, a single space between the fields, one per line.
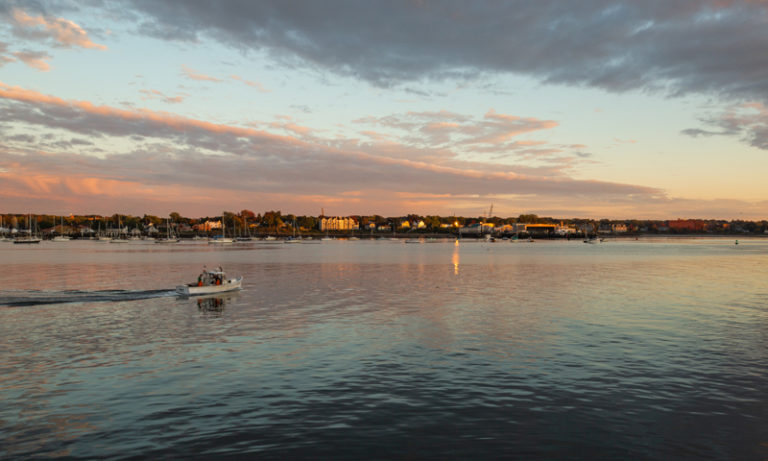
x=34 y=59
x=250 y=83
x=156 y=94
x=63 y=31
x=170 y=163
x=164 y=119
x=194 y=75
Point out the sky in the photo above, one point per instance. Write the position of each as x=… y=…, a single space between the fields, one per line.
x=586 y=108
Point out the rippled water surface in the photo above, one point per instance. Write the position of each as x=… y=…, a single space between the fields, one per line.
x=649 y=349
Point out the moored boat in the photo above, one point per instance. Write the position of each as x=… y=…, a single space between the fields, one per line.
x=209 y=282
x=27 y=240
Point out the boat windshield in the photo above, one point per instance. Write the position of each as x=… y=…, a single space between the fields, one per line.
x=211 y=277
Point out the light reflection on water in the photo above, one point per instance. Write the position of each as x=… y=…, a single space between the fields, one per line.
x=649 y=349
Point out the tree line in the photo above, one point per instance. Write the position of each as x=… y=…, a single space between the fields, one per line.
x=276 y=221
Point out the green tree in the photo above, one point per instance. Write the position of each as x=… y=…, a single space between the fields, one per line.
x=150 y=219
x=273 y=220
x=433 y=222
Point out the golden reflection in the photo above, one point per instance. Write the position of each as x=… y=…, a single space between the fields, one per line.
x=455 y=258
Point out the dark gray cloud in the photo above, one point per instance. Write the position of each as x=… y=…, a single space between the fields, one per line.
x=747 y=121
x=677 y=47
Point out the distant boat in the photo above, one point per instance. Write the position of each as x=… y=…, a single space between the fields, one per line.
x=119 y=237
x=27 y=240
x=3 y=238
x=30 y=238
x=221 y=240
x=61 y=237
x=591 y=240
x=169 y=235
x=210 y=281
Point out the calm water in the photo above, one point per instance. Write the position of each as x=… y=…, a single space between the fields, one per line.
x=650 y=349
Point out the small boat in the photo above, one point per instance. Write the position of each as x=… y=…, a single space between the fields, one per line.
x=27 y=240
x=210 y=282
x=61 y=237
x=30 y=238
x=167 y=240
x=220 y=240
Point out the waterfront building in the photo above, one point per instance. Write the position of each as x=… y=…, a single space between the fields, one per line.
x=478 y=228
x=541 y=229
x=338 y=224
x=619 y=228
x=207 y=226
x=563 y=229
x=687 y=225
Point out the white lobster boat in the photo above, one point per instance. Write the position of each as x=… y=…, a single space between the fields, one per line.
x=210 y=282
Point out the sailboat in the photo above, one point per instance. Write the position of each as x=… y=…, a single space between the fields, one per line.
x=294 y=238
x=223 y=239
x=394 y=235
x=3 y=238
x=119 y=238
x=61 y=237
x=245 y=234
x=169 y=236
x=29 y=238
x=102 y=237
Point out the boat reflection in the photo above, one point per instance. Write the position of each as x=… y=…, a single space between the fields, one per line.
x=213 y=304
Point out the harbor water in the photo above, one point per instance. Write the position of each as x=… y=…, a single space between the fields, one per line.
x=647 y=349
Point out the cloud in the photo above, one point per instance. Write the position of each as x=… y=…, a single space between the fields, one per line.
x=256 y=85
x=704 y=46
x=62 y=31
x=194 y=75
x=35 y=59
x=491 y=134
x=167 y=151
x=156 y=94
x=3 y=58
x=748 y=121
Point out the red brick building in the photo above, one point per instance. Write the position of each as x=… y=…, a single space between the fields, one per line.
x=687 y=225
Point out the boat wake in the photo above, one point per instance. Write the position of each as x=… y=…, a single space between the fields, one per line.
x=35 y=297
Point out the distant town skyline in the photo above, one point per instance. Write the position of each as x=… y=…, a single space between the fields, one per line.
x=588 y=109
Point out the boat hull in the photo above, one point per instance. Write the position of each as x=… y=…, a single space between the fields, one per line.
x=220 y=241
x=194 y=290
